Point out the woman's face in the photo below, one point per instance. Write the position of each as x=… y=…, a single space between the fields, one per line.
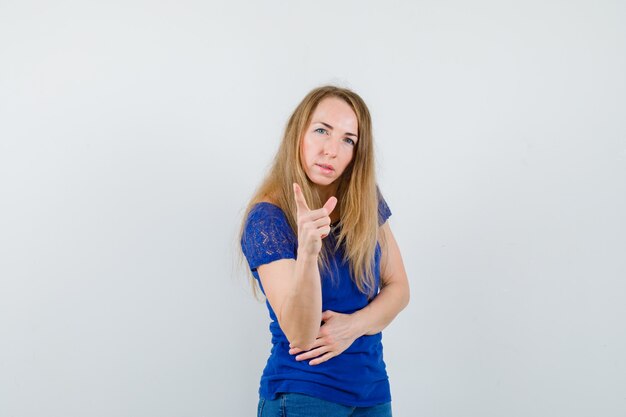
x=329 y=142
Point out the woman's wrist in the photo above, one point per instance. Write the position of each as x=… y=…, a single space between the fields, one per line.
x=360 y=322
x=306 y=257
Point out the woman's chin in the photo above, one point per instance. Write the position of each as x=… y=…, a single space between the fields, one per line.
x=322 y=182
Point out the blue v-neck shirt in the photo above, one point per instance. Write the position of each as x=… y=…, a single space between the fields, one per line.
x=356 y=377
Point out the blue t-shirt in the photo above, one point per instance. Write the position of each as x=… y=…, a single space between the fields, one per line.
x=356 y=377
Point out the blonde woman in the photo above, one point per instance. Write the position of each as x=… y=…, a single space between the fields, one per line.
x=318 y=244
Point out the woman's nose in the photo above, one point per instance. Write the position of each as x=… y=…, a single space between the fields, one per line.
x=330 y=147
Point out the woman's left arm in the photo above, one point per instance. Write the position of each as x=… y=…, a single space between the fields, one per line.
x=340 y=330
x=394 y=293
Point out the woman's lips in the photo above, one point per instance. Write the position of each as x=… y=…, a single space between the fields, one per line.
x=326 y=169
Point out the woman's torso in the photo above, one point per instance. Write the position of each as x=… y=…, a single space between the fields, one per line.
x=357 y=376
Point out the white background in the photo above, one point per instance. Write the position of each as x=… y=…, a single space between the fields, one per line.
x=132 y=134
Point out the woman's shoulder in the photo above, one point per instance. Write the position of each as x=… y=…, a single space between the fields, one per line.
x=267 y=224
x=266 y=209
x=383 y=209
x=266 y=204
x=268 y=200
x=270 y=197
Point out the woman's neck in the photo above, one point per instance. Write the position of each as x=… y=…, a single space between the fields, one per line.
x=326 y=192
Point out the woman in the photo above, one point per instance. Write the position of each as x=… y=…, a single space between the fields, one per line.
x=317 y=242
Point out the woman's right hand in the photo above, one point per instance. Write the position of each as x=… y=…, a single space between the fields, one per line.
x=313 y=225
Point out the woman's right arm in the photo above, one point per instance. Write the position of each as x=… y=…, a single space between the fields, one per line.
x=293 y=287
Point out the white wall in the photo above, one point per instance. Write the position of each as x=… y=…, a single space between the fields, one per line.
x=132 y=133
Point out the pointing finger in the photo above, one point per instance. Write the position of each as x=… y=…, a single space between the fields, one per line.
x=300 y=200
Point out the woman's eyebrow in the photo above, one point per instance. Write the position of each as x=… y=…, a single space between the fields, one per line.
x=330 y=127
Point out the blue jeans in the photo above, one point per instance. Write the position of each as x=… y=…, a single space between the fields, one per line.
x=300 y=405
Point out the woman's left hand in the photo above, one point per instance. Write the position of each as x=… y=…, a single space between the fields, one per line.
x=337 y=333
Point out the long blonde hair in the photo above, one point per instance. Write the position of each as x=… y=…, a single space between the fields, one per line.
x=356 y=192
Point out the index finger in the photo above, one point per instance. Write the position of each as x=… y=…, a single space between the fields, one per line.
x=300 y=200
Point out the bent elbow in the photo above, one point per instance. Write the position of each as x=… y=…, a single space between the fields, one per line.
x=407 y=297
x=302 y=344
x=298 y=338
x=302 y=334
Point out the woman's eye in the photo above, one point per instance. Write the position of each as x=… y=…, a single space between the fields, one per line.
x=320 y=128
x=350 y=141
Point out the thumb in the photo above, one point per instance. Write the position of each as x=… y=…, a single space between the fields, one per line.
x=330 y=204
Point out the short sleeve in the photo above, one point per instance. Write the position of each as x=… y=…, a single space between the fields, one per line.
x=267 y=236
x=383 y=209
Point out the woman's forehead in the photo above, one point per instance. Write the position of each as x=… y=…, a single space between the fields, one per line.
x=336 y=113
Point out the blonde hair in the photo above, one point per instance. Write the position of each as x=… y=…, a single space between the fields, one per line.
x=356 y=192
